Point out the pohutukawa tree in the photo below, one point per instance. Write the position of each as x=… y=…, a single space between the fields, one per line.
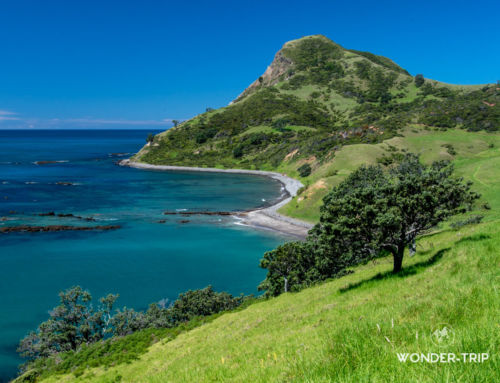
x=74 y=322
x=375 y=210
x=287 y=267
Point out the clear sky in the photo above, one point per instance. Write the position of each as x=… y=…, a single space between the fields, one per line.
x=76 y=63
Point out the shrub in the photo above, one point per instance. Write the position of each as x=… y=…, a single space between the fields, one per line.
x=238 y=152
x=419 y=80
x=304 y=170
x=469 y=221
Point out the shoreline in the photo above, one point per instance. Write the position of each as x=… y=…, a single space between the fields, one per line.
x=264 y=218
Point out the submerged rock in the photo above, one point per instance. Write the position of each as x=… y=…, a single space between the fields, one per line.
x=188 y=213
x=68 y=215
x=46 y=162
x=50 y=228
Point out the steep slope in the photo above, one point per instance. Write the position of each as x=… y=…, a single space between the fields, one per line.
x=314 y=101
x=350 y=329
x=314 y=97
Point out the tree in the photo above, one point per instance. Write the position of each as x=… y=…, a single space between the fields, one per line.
x=203 y=302
x=150 y=138
x=74 y=322
x=175 y=122
x=374 y=210
x=419 y=80
x=288 y=268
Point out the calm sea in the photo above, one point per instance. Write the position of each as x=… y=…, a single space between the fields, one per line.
x=144 y=261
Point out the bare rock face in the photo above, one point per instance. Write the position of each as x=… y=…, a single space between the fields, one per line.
x=279 y=67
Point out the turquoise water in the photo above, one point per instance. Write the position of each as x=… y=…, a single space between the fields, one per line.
x=144 y=261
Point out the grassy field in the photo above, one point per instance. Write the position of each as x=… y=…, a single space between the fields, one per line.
x=476 y=158
x=349 y=329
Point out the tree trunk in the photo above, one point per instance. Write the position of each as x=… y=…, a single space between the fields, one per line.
x=398 y=259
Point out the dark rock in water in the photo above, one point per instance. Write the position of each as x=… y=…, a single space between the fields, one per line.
x=51 y=228
x=162 y=221
x=69 y=215
x=184 y=221
x=188 y=213
x=12 y=212
x=45 y=162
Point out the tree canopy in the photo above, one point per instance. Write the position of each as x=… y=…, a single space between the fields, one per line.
x=75 y=321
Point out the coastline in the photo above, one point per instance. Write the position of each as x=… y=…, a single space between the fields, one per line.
x=264 y=218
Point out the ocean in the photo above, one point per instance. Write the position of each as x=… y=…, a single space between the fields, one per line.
x=144 y=261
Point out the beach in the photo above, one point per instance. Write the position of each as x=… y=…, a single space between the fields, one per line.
x=265 y=218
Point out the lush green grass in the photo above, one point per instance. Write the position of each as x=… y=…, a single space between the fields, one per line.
x=270 y=129
x=349 y=329
x=477 y=159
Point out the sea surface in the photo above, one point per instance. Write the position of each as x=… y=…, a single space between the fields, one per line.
x=144 y=261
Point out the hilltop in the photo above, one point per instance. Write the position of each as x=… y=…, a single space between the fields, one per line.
x=313 y=103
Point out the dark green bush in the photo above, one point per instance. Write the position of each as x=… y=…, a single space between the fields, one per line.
x=304 y=170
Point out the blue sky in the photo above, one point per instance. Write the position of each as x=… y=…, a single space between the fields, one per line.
x=142 y=63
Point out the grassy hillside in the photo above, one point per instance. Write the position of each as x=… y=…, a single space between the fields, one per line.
x=349 y=329
x=334 y=109
x=314 y=98
x=476 y=156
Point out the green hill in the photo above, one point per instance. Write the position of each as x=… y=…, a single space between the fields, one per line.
x=313 y=102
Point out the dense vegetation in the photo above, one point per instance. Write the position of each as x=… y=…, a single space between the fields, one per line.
x=79 y=334
x=322 y=98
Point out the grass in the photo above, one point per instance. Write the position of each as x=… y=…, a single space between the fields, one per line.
x=269 y=129
x=349 y=329
x=477 y=159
